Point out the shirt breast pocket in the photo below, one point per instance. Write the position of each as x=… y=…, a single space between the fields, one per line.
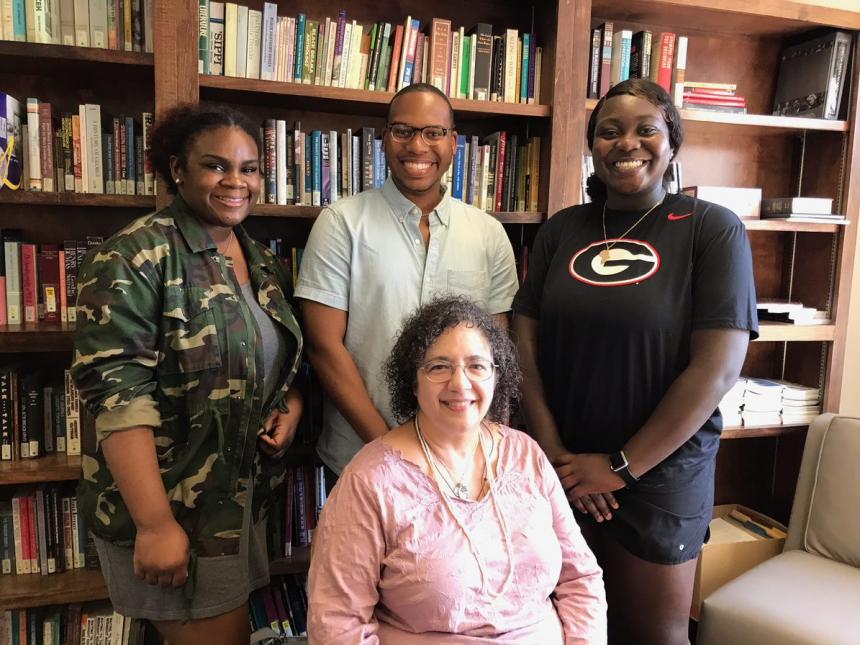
x=472 y=284
x=189 y=333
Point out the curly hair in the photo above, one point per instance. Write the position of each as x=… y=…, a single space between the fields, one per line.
x=656 y=96
x=423 y=328
x=175 y=131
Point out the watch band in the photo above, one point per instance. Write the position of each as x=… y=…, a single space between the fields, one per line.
x=618 y=464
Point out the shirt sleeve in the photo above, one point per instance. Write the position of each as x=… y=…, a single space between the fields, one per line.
x=325 y=273
x=579 y=597
x=347 y=552
x=115 y=344
x=503 y=277
x=528 y=299
x=723 y=284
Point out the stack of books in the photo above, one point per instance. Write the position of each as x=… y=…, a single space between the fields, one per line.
x=791 y=312
x=769 y=402
x=800 y=403
x=762 y=403
x=713 y=97
x=801 y=209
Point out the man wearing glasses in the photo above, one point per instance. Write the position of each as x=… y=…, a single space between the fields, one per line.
x=373 y=258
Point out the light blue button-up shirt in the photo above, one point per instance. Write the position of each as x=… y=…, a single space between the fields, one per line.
x=365 y=255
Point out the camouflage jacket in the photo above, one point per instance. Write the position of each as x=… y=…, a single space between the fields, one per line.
x=164 y=340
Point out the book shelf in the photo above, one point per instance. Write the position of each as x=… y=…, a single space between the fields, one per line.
x=730 y=41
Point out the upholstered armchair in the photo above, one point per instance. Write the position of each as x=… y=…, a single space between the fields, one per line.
x=810 y=593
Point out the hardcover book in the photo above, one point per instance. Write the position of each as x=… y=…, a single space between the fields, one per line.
x=812 y=76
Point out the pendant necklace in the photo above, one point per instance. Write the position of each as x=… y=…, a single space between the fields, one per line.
x=457 y=487
x=604 y=254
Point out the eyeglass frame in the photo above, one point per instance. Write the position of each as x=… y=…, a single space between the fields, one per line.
x=445 y=131
x=461 y=366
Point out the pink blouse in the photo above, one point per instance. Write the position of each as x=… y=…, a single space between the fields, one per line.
x=393 y=563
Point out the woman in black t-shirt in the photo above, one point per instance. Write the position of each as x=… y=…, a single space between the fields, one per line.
x=632 y=323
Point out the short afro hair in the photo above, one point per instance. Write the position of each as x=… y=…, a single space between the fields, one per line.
x=423 y=328
x=175 y=131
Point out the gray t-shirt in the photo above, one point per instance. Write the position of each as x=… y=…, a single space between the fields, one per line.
x=271 y=340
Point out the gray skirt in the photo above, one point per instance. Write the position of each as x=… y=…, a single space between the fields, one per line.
x=223 y=582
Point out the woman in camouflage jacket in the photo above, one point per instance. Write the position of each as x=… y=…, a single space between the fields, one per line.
x=186 y=348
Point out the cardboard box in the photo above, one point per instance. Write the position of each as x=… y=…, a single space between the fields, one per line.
x=743 y=202
x=726 y=556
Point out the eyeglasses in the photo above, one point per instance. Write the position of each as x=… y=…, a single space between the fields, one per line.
x=477 y=369
x=432 y=134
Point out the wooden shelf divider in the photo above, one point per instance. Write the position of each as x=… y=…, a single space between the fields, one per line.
x=297 y=563
x=750 y=432
x=48 y=468
x=26 y=197
x=37 y=337
x=36 y=590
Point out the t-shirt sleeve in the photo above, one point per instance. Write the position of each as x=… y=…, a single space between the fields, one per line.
x=723 y=283
x=503 y=277
x=325 y=271
x=528 y=299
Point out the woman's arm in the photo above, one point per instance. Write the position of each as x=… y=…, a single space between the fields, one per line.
x=161 y=545
x=579 y=596
x=347 y=553
x=716 y=358
x=279 y=429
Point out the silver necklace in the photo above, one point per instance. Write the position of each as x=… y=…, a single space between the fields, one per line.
x=456 y=486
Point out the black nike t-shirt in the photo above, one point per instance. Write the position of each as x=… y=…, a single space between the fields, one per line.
x=615 y=326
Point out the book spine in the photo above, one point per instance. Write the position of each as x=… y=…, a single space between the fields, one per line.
x=216 y=38
x=679 y=72
x=29 y=273
x=269 y=41
x=607 y=29
x=203 y=61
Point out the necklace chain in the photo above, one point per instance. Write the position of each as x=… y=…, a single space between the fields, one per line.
x=605 y=253
x=231 y=239
x=458 y=488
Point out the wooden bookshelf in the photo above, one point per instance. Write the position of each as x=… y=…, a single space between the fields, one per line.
x=787 y=226
x=49 y=468
x=27 y=197
x=297 y=563
x=785 y=332
x=762 y=124
x=223 y=88
x=26 y=54
x=36 y=590
x=753 y=432
x=37 y=337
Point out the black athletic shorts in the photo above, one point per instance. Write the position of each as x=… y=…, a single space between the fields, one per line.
x=663 y=518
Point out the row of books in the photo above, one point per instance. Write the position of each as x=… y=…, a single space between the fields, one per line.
x=295 y=513
x=792 y=312
x=93 y=623
x=69 y=152
x=281 y=606
x=42 y=531
x=235 y=40
x=500 y=172
x=619 y=54
x=107 y=24
x=765 y=402
x=38 y=282
x=38 y=419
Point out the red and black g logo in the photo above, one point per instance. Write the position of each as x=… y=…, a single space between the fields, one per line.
x=627 y=261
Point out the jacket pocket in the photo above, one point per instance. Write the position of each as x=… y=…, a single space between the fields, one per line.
x=189 y=341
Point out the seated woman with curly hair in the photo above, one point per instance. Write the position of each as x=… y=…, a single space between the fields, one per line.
x=452 y=526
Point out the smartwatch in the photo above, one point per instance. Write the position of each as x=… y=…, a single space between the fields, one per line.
x=618 y=464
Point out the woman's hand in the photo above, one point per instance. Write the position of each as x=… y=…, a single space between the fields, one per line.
x=589 y=481
x=278 y=432
x=161 y=555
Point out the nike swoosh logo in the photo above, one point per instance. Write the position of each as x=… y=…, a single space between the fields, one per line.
x=672 y=217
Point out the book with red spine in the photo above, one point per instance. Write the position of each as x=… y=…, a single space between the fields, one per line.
x=29 y=282
x=662 y=59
